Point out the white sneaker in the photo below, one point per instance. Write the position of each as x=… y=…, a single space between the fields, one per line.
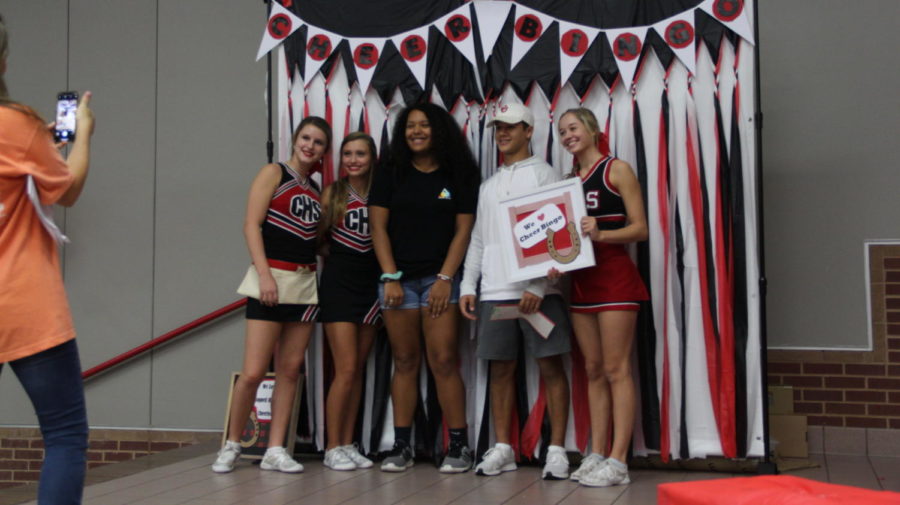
x=228 y=455
x=557 y=465
x=607 y=474
x=337 y=459
x=497 y=459
x=587 y=465
x=276 y=458
x=352 y=452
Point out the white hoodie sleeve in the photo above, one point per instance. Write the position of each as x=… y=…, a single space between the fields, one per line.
x=475 y=253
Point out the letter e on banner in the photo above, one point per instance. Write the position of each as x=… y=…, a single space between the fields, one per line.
x=574 y=43
x=680 y=34
x=529 y=28
x=727 y=10
x=627 y=46
x=413 y=48
x=365 y=56
x=458 y=28
x=280 y=26
x=319 y=47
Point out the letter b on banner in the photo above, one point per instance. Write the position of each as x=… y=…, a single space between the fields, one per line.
x=529 y=28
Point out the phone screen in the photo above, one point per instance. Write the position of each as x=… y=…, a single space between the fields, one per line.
x=67 y=102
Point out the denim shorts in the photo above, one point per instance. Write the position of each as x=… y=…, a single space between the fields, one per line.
x=415 y=292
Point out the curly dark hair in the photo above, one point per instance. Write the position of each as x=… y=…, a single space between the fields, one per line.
x=448 y=146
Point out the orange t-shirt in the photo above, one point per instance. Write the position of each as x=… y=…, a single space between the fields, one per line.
x=34 y=311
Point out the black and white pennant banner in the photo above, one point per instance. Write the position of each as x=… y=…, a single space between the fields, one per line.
x=627 y=44
x=413 y=48
x=282 y=23
x=679 y=33
x=458 y=28
x=320 y=44
x=530 y=26
x=491 y=16
x=574 y=42
x=366 y=52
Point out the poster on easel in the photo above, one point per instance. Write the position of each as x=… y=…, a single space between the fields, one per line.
x=255 y=435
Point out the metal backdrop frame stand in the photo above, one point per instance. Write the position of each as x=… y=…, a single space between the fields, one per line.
x=767 y=466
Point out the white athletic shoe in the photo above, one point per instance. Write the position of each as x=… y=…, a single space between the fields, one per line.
x=228 y=455
x=557 y=464
x=587 y=465
x=607 y=474
x=352 y=452
x=276 y=458
x=338 y=459
x=497 y=459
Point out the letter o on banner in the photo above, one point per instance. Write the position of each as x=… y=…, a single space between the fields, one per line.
x=529 y=28
x=627 y=46
x=679 y=34
x=574 y=42
x=728 y=10
x=279 y=26
x=319 y=47
x=413 y=48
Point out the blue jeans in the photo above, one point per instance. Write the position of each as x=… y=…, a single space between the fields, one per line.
x=52 y=380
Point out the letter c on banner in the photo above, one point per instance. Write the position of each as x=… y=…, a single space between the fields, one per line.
x=279 y=26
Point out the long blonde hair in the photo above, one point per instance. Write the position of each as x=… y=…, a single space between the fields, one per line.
x=336 y=204
x=589 y=120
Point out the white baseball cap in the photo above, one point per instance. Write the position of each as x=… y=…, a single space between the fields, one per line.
x=512 y=113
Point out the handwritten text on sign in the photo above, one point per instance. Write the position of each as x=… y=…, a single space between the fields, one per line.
x=531 y=230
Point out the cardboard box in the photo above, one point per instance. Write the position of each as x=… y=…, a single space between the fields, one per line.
x=781 y=400
x=788 y=434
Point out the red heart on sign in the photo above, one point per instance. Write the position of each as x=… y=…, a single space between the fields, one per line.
x=541 y=217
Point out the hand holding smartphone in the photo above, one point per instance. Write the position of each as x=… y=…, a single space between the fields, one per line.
x=66 y=104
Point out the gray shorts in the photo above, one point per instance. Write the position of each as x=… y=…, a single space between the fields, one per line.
x=499 y=339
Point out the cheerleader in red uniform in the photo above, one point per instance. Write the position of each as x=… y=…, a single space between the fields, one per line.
x=606 y=297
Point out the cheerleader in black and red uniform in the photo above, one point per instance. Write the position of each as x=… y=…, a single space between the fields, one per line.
x=606 y=297
x=348 y=295
x=280 y=228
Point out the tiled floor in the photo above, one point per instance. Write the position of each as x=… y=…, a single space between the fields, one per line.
x=190 y=482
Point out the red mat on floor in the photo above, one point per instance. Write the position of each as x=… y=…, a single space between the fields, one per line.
x=769 y=490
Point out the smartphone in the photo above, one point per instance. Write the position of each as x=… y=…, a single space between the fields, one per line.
x=66 y=103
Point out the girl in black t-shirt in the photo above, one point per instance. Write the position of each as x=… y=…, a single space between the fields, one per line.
x=421 y=211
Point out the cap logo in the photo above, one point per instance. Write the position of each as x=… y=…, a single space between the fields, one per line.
x=504 y=108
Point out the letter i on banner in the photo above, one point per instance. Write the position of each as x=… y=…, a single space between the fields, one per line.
x=574 y=41
x=282 y=23
x=678 y=32
x=627 y=44
x=413 y=48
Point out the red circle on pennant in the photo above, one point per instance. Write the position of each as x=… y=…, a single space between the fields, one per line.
x=413 y=48
x=529 y=28
x=458 y=28
x=627 y=46
x=319 y=47
x=727 y=10
x=574 y=42
x=280 y=26
x=679 y=34
x=365 y=56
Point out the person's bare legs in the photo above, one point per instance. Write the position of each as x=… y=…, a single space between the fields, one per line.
x=503 y=373
x=443 y=359
x=587 y=333
x=288 y=360
x=342 y=338
x=259 y=344
x=617 y=337
x=403 y=327
x=366 y=337
x=557 y=387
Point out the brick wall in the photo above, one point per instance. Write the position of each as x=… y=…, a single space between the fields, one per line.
x=852 y=388
x=22 y=450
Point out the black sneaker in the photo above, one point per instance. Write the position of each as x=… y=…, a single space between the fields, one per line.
x=458 y=460
x=399 y=459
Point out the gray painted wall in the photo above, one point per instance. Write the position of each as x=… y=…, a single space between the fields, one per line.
x=180 y=134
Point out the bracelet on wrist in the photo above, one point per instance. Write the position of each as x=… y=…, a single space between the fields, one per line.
x=386 y=277
x=444 y=277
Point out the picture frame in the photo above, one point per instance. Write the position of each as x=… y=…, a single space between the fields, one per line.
x=541 y=229
x=255 y=436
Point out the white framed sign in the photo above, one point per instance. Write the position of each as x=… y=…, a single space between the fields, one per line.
x=541 y=229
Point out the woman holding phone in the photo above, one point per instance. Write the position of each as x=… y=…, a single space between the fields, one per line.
x=37 y=337
x=280 y=229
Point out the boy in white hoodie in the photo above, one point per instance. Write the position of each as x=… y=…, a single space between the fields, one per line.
x=499 y=340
